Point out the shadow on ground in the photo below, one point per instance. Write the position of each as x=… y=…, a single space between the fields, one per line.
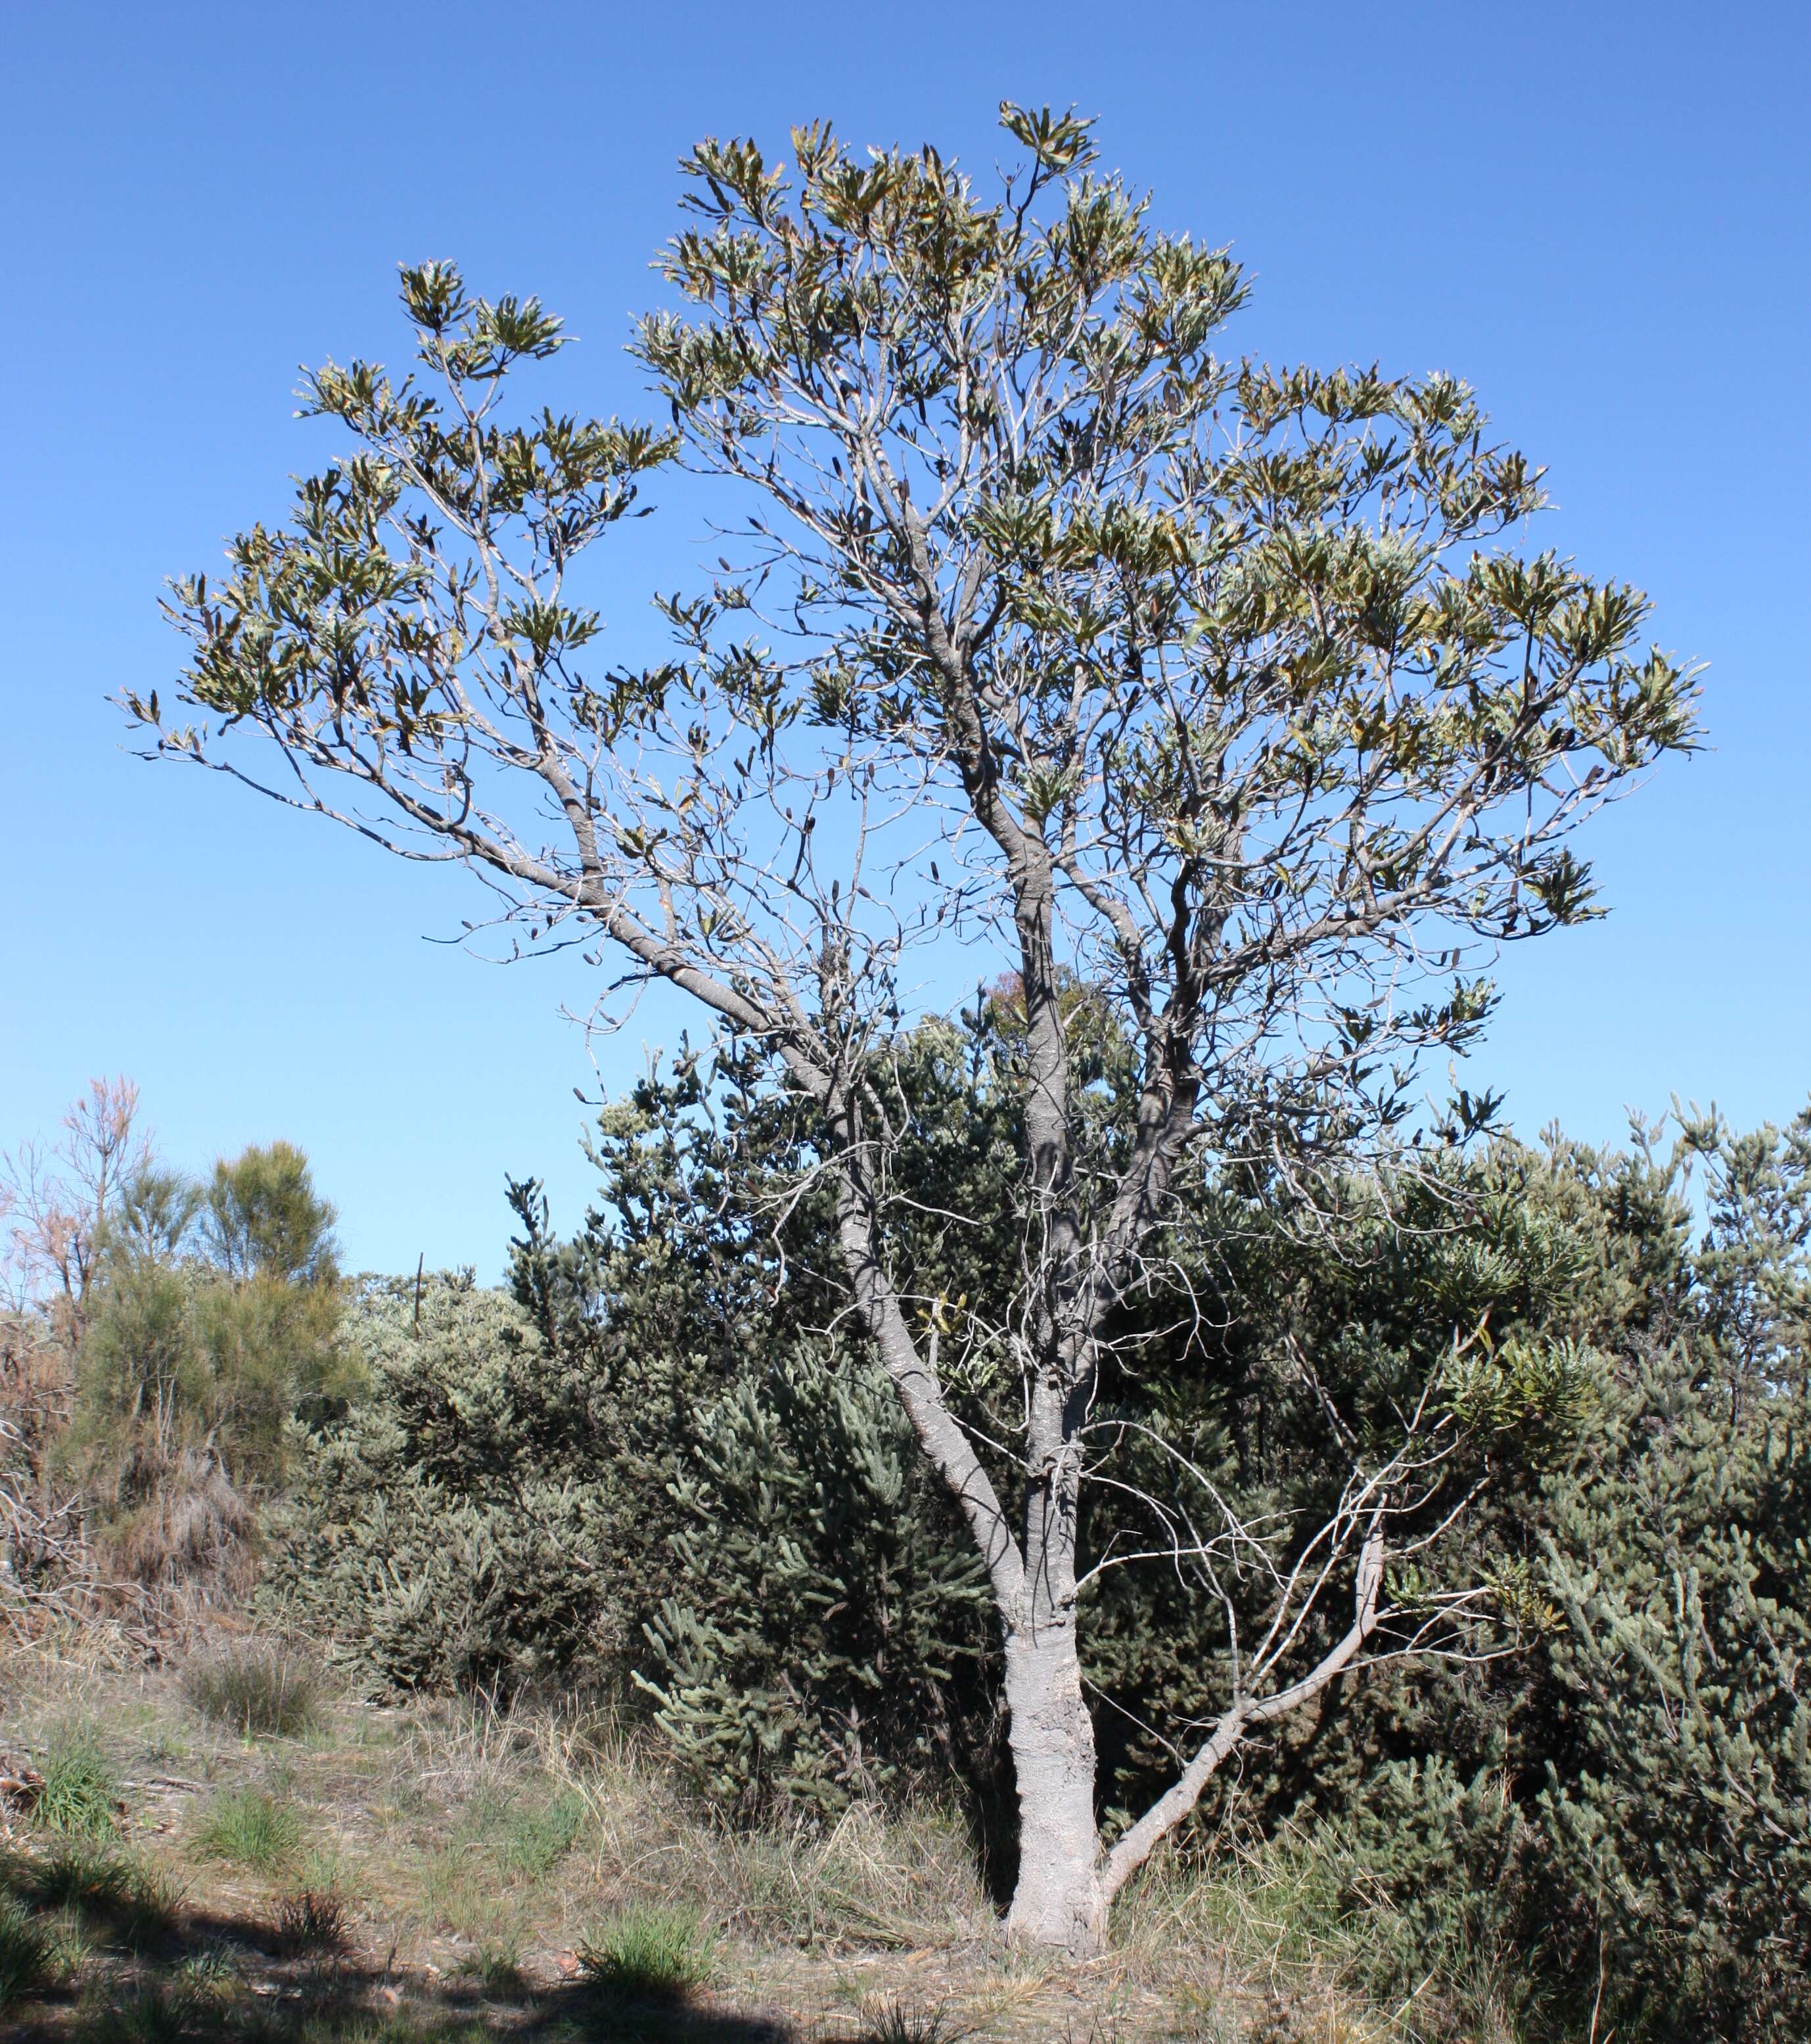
x=115 y=1961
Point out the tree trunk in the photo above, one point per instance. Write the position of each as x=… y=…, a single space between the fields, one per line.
x=1059 y=1900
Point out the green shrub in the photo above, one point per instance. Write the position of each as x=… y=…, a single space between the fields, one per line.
x=255 y=1688
x=831 y=1603
x=249 y=1827
x=1425 y=1883
x=81 y=1794
x=25 y=1951
x=651 y=1954
x=1612 y=1826
x=456 y=1525
x=1680 y=1822
x=528 y=1492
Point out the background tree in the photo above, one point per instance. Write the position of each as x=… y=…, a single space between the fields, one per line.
x=1209 y=686
x=161 y=1335
x=213 y=1320
x=56 y=1202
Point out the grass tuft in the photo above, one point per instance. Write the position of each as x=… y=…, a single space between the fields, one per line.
x=25 y=1952
x=99 y=1889
x=533 y=1838
x=651 y=1954
x=213 y=1970
x=895 y=2024
x=149 y=2012
x=255 y=1689
x=496 y=1968
x=313 y=1922
x=77 y=1874
x=250 y=1828
x=80 y=1797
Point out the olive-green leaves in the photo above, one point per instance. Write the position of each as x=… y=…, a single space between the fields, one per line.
x=1247 y=663
x=444 y=538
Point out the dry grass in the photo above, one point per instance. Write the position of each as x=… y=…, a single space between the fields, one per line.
x=313 y=1921
x=439 y=1865
x=252 y=1687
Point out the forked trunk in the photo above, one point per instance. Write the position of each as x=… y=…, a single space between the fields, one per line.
x=1059 y=1900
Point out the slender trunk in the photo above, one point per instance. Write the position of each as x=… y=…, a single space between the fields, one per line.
x=1059 y=1899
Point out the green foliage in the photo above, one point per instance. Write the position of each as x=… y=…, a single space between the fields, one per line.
x=1679 y=1810
x=558 y=482
x=211 y=1322
x=802 y=1614
x=1610 y=1824
x=250 y=1828
x=80 y=1797
x=254 y=1687
x=830 y=1609
x=1425 y=1881
x=649 y=1466
x=456 y=1523
x=25 y=1952
x=651 y=1954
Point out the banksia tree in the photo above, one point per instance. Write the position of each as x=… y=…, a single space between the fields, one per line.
x=1220 y=689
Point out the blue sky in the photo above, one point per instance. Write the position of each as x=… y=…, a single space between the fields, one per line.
x=1596 y=214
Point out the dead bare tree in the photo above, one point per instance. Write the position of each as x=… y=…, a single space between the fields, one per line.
x=1049 y=634
x=55 y=1200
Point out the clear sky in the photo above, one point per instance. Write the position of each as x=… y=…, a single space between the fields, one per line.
x=1597 y=214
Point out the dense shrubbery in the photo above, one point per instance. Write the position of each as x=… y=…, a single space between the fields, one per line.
x=659 y=1461
x=638 y=1467
x=1614 y=1824
x=831 y=1622
x=1678 y=1799
x=454 y=1525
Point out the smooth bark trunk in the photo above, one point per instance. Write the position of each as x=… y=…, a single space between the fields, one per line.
x=1059 y=1899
